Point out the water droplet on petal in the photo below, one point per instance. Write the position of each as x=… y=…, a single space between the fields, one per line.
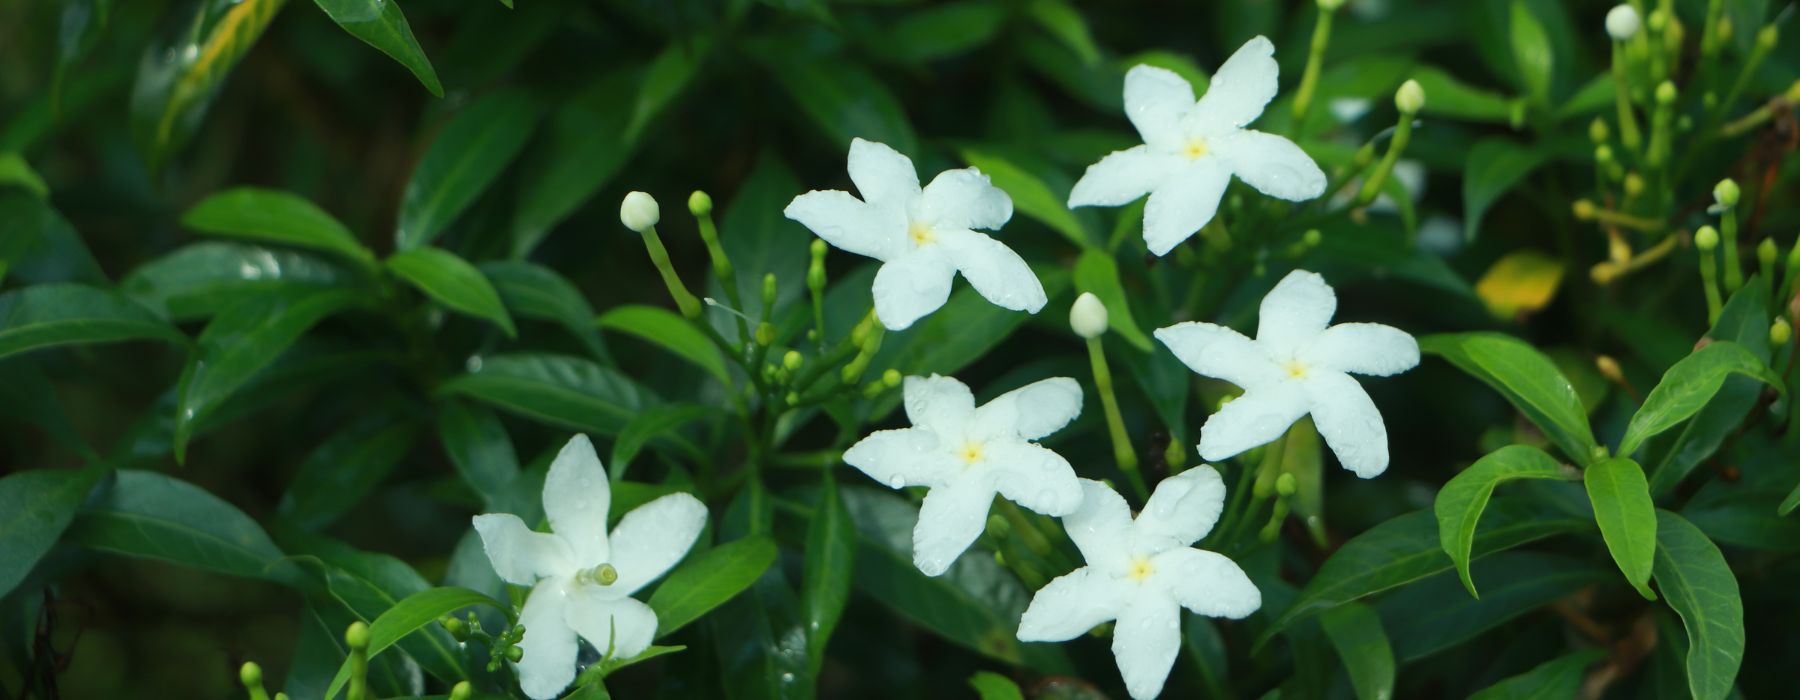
x=896 y=481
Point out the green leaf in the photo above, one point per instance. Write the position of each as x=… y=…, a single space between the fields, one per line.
x=1460 y=502
x=381 y=24
x=606 y=666
x=341 y=471
x=367 y=585
x=1097 y=272
x=1063 y=21
x=1494 y=167
x=1356 y=632
x=155 y=516
x=48 y=315
x=14 y=171
x=1689 y=385
x=240 y=342
x=176 y=80
x=1434 y=615
x=35 y=507
x=993 y=686
x=1627 y=517
x=844 y=99
x=1556 y=679
x=538 y=292
x=1528 y=379
x=560 y=390
x=1745 y=321
x=1790 y=503
x=1029 y=193
x=827 y=570
x=38 y=246
x=273 y=216
x=453 y=282
x=709 y=579
x=482 y=453
x=465 y=158
x=1698 y=583
x=1531 y=52
x=756 y=236
x=942 y=30
x=201 y=279
x=649 y=424
x=669 y=330
x=583 y=146
x=1448 y=97
x=663 y=81
x=409 y=616
x=28 y=397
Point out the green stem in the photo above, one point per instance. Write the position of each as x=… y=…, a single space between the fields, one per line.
x=1728 y=241
x=1628 y=128
x=1372 y=186
x=1115 y=422
x=1709 y=278
x=690 y=306
x=1315 y=58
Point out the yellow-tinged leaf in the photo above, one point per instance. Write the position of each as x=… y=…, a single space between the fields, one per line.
x=176 y=84
x=1520 y=283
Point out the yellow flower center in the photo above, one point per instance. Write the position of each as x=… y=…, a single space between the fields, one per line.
x=1141 y=569
x=970 y=453
x=920 y=234
x=1195 y=149
x=1295 y=368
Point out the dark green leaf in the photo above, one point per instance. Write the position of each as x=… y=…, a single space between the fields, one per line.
x=37 y=246
x=481 y=451
x=1495 y=165
x=26 y=396
x=993 y=686
x=465 y=158
x=1460 y=502
x=942 y=30
x=582 y=148
x=48 y=315
x=650 y=424
x=1447 y=96
x=1689 y=385
x=1063 y=21
x=829 y=564
x=664 y=79
x=1356 y=632
x=1097 y=272
x=1528 y=379
x=1434 y=615
x=1552 y=680
x=669 y=330
x=15 y=172
x=177 y=79
x=1745 y=321
x=367 y=585
x=453 y=282
x=201 y=279
x=1698 y=583
x=1531 y=52
x=535 y=291
x=381 y=24
x=954 y=336
x=408 y=616
x=274 y=216
x=1029 y=193
x=709 y=579
x=1621 y=498
x=845 y=100
x=151 y=515
x=35 y=506
x=565 y=391
x=343 y=470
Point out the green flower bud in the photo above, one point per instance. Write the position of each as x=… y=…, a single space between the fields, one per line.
x=891 y=378
x=357 y=636
x=251 y=675
x=1312 y=237
x=1584 y=209
x=1410 y=98
x=1286 y=485
x=769 y=291
x=700 y=203
x=1665 y=93
x=1766 y=252
x=792 y=360
x=1780 y=332
x=1706 y=239
x=1659 y=20
x=1726 y=193
x=514 y=653
x=1603 y=154
x=456 y=628
x=462 y=691
x=1767 y=38
x=792 y=398
x=997 y=526
x=1330 y=5
x=1634 y=184
x=1597 y=129
x=765 y=334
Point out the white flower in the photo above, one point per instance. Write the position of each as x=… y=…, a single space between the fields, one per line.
x=639 y=211
x=1191 y=149
x=922 y=237
x=581 y=579
x=1296 y=366
x=967 y=454
x=1142 y=572
x=1087 y=316
x=1622 y=22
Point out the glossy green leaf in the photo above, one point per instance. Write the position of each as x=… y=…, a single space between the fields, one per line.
x=381 y=24
x=343 y=470
x=708 y=579
x=1062 y=20
x=1556 y=679
x=1494 y=167
x=36 y=505
x=606 y=666
x=650 y=424
x=1434 y=615
x=1528 y=380
x=453 y=282
x=49 y=315
x=1097 y=272
x=1698 y=583
x=15 y=172
x=38 y=246
x=1689 y=385
x=1621 y=498
x=481 y=451
x=156 y=516
x=1461 y=501
x=273 y=216
x=663 y=81
x=1531 y=52
x=466 y=157
x=829 y=564
x=1030 y=195
x=993 y=686
x=1449 y=97
x=178 y=78
x=943 y=30
x=1356 y=632
x=1790 y=503
x=1745 y=321
x=669 y=330
x=537 y=292
x=583 y=145
x=408 y=616
x=560 y=390
x=846 y=101
x=201 y=279
x=368 y=585
x=28 y=398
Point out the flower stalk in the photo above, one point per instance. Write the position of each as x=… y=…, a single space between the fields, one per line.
x=700 y=204
x=1315 y=59
x=639 y=212
x=1726 y=195
x=357 y=639
x=1705 y=240
x=1409 y=99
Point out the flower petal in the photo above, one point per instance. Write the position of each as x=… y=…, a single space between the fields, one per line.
x=1239 y=90
x=1220 y=353
x=1100 y=527
x=849 y=224
x=576 y=498
x=1123 y=176
x=549 y=646
x=1364 y=348
x=623 y=625
x=1255 y=418
x=1033 y=411
x=1181 y=511
x=965 y=198
x=1294 y=313
x=938 y=402
x=1034 y=477
x=1272 y=164
x=953 y=515
x=1184 y=203
x=1070 y=605
x=1349 y=422
x=1156 y=100
x=1145 y=642
x=521 y=556
x=882 y=175
x=910 y=286
x=652 y=537
x=1207 y=583
x=897 y=458
x=996 y=272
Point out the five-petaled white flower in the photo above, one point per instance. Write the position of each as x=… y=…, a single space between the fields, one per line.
x=581 y=579
x=922 y=237
x=1142 y=572
x=1297 y=365
x=1191 y=149
x=967 y=454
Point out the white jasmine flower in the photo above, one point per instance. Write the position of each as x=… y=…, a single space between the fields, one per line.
x=1296 y=366
x=582 y=579
x=1142 y=572
x=1192 y=149
x=923 y=237
x=1622 y=22
x=966 y=455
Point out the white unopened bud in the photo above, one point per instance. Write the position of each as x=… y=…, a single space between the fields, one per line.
x=1410 y=98
x=639 y=212
x=1622 y=22
x=1088 y=316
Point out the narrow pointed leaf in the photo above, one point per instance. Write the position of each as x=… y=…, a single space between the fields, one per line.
x=381 y=24
x=35 y=507
x=1689 y=385
x=1461 y=501
x=1355 y=631
x=1698 y=583
x=669 y=330
x=568 y=392
x=1627 y=517
x=829 y=565
x=177 y=79
x=48 y=315
x=201 y=279
x=1528 y=379
x=1552 y=680
x=273 y=216
x=466 y=157
x=453 y=282
x=156 y=516
x=708 y=579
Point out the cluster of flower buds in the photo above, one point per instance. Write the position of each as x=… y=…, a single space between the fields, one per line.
x=501 y=647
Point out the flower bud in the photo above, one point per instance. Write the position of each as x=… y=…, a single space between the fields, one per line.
x=1286 y=484
x=699 y=203
x=1584 y=209
x=1767 y=253
x=765 y=334
x=1622 y=22
x=357 y=636
x=455 y=627
x=1665 y=93
x=1088 y=316
x=1634 y=184
x=1767 y=38
x=792 y=360
x=1609 y=368
x=1597 y=130
x=1726 y=193
x=1706 y=239
x=1658 y=21
x=1330 y=5
x=251 y=675
x=891 y=378
x=1780 y=332
x=1410 y=98
x=769 y=291
x=514 y=653
x=1312 y=237
x=1603 y=154
x=462 y=691
x=639 y=212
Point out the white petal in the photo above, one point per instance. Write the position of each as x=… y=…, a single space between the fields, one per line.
x=1349 y=422
x=1123 y=176
x=1239 y=90
x=1272 y=164
x=849 y=224
x=521 y=556
x=1156 y=100
x=1294 y=313
x=909 y=287
x=938 y=402
x=623 y=625
x=1220 y=353
x=897 y=458
x=549 y=646
x=1184 y=203
x=996 y=272
x=882 y=175
x=1101 y=527
x=577 y=496
x=1033 y=411
x=1256 y=418
x=966 y=198
x=652 y=537
x=1207 y=583
x=1364 y=348
x=953 y=515
x=1034 y=477
x=1145 y=642
x=1070 y=605
x=1181 y=511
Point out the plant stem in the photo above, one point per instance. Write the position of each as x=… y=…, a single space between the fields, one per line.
x=1115 y=422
